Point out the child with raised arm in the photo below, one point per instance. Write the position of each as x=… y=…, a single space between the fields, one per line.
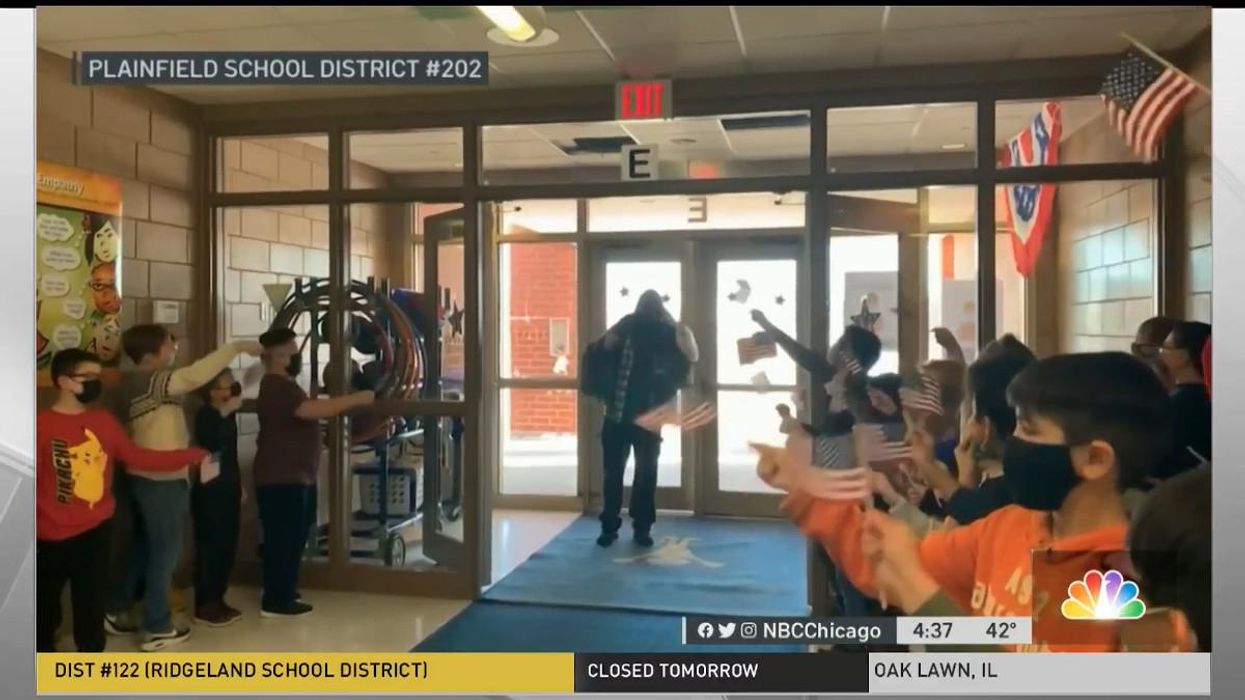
x=154 y=396
x=287 y=464
x=1088 y=426
x=77 y=447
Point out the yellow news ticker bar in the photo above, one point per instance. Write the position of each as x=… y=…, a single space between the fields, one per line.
x=175 y=674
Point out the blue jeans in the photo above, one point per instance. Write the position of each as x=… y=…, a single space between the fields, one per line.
x=153 y=556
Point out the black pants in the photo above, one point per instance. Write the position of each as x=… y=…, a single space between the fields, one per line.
x=216 y=508
x=286 y=513
x=617 y=442
x=82 y=561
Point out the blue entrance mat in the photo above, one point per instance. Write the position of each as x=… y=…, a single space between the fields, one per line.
x=700 y=566
x=504 y=627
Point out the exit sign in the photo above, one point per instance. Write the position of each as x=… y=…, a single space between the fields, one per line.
x=643 y=99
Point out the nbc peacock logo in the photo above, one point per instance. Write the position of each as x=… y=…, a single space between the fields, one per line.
x=1103 y=596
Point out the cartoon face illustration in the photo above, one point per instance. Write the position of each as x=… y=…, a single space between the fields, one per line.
x=104 y=289
x=108 y=338
x=87 y=461
x=107 y=243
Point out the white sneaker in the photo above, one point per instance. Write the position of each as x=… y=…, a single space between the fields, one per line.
x=159 y=640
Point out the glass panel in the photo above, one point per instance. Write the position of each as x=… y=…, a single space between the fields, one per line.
x=387 y=493
x=744 y=417
x=624 y=283
x=770 y=287
x=1101 y=282
x=271 y=163
x=419 y=158
x=901 y=137
x=537 y=216
x=688 y=148
x=444 y=224
x=680 y=212
x=539 y=450
x=951 y=289
x=539 y=332
x=867 y=268
x=1085 y=135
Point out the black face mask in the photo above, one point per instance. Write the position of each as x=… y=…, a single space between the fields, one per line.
x=235 y=389
x=295 y=367
x=1039 y=476
x=91 y=390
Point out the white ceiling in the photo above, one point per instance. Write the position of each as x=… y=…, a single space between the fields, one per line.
x=600 y=44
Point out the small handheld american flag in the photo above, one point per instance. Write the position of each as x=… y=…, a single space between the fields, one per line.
x=837 y=475
x=925 y=396
x=847 y=360
x=758 y=346
x=1142 y=96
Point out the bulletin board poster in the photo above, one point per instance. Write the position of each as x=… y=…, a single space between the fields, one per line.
x=77 y=264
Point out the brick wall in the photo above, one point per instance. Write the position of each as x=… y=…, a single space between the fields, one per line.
x=542 y=284
x=1197 y=190
x=147 y=140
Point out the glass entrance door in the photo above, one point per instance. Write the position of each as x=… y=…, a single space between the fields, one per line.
x=745 y=381
x=621 y=272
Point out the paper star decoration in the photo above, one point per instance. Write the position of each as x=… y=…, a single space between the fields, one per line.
x=624 y=292
x=866 y=319
x=456 y=322
x=780 y=300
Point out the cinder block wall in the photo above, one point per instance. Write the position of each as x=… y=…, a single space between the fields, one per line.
x=147 y=140
x=1197 y=190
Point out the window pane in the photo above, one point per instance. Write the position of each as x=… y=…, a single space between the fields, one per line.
x=418 y=158
x=951 y=289
x=273 y=164
x=539 y=450
x=539 y=332
x=866 y=269
x=1100 y=262
x=679 y=212
x=746 y=417
x=771 y=286
x=688 y=148
x=901 y=137
x=1085 y=135
x=530 y=216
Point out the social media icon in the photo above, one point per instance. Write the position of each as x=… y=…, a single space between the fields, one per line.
x=726 y=630
x=748 y=630
x=705 y=629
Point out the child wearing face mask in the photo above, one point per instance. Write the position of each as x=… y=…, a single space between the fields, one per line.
x=77 y=446
x=1088 y=427
x=1181 y=353
x=287 y=464
x=154 y=395
x=216 y=503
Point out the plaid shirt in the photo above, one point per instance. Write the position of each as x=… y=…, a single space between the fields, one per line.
x=619 y=404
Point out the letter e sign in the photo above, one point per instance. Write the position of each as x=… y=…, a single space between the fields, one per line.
x=639 y=162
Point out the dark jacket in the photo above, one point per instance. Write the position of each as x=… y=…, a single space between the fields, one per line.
x=658 y=369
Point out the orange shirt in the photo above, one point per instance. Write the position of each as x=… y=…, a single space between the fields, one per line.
x=986 y=567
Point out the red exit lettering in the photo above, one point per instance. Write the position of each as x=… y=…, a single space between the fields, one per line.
x=642 y=100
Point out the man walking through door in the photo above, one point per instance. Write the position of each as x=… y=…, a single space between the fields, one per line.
x=636 y=367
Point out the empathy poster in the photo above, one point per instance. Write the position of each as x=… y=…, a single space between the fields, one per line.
x=77 y=263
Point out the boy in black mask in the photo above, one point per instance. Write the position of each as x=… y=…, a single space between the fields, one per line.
x=287 y=465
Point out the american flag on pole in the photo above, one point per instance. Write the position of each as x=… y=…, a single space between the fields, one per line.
x=1143 y=96
x=758 y=346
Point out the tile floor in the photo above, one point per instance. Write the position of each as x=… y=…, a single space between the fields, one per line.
x=350 y=622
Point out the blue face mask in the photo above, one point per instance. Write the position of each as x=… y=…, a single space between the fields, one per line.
x=1039 y=476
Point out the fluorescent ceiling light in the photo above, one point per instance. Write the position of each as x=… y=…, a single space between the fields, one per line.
x=508 y=19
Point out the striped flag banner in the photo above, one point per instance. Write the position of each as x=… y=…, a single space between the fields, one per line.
x=698 y=417
x=758 y=346
x=1142 y=96
x=925 y=396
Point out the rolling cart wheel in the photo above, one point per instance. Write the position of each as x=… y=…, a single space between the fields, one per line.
x=395 y=550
